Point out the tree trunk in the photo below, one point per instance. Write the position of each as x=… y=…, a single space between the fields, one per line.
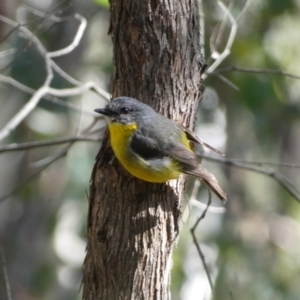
x=132 y=224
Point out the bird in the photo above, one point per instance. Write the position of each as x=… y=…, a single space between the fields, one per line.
x=152 y=147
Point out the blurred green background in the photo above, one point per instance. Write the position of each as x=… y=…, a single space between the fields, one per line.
x=251 y=244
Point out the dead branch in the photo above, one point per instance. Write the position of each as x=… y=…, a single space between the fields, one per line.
x=197 y=244
x=259 y=168
x=45 y=89
x=252 y=70
x=5 y=274
x=55 y=142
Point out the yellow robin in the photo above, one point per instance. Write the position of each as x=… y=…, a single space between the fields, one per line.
x=151 y=147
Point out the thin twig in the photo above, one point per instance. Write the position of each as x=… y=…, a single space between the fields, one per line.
x=74 y=44
x=5 y=274
x=76 y=40
x=17 y=26
x=80 y=119
x=31 y=91
x=24 y=111
x=41 y=92
x=195 y=189
x=221 y=28
x=212 y=209
x=33 y=145
x=227 y=81
x=226 y=51
x=33 y=38
x=47 y=162
x=46 y=89
x=280 y=178
x=79 y=90
x=218 y=34
x=32 y=103
x=260 y=163
x=197 y=244
x=243 y=11
x=47 y=16
x=252 y=70
x=64 y=75
x=7 y=52
x=52 y=159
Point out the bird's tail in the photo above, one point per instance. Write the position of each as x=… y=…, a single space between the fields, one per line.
x=210 y=180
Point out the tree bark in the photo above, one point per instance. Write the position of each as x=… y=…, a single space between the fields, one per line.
x=132 y=224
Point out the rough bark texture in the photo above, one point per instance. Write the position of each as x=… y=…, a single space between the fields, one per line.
x=132 y=224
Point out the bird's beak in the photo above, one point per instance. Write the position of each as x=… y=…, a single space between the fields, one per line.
x=105 y=111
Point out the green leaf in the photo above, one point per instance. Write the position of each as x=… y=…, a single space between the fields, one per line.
x=103 y=3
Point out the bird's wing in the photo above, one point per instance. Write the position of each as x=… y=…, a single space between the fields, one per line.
x=145 y=147
x=186 y=158
x=195 y=138
x=149 y=148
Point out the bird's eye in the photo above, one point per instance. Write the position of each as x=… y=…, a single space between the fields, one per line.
x=124 y=110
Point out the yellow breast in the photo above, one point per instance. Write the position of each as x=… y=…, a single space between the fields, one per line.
x=119 y=138
x=160 y=172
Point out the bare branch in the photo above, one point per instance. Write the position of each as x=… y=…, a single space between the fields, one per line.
x=49 y=16
x=24 y=112
x=76 y=40
x=64 y=75
x=204 y=212
x=31 y=91
x=5 y=274
x=32 y=145
x=46 y=89
x=79 y=90
x=197 y=244
x=68 y=49
x=51 y=160
x=212 y=209
x=280 y=178
x=218 y=34
x=195 y=189
x=7 y=52
x=32 y=37
x=227 y=81
x=252 y=70
x=226 y=51
x=42 y=165
x=243 y=11
x=31 y=104
x=276 y=164
x=221 y=27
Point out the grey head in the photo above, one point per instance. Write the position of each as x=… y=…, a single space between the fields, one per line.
x=126 y=110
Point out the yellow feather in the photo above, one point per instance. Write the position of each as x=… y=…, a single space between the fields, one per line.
x=120 y=135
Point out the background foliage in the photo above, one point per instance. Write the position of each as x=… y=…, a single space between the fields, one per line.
x=251 y=244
